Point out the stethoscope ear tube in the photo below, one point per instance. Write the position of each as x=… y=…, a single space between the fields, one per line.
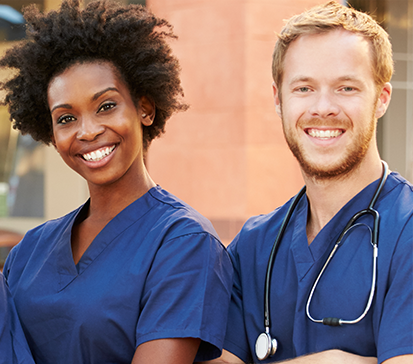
x=265 y=345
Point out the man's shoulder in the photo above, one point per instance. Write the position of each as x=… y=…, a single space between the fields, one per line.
x=398 y=181
x=396 y=209
x=397 y=196
x=259 y=229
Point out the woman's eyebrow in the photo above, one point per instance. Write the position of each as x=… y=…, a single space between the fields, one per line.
x=64 y=106
x=100 y=93
x=94 y=98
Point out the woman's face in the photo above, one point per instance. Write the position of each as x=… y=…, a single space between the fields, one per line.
x=97 y=128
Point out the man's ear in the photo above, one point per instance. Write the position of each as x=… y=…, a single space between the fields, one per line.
x=383 y=100
x=277 y=99
x=147 y=110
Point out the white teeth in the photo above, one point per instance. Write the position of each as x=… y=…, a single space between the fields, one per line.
x=324 y=134
x=97 y=155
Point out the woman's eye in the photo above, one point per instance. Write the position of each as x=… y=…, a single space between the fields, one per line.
x=64 y=119
x=107 y=106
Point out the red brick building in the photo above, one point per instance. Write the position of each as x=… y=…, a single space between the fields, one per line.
x=226 y=156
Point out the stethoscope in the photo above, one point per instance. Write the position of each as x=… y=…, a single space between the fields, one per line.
x=265 y=345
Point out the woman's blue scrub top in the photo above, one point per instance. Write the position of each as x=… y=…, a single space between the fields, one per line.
x=157 y=270
x=343 y=290
x=13 y=344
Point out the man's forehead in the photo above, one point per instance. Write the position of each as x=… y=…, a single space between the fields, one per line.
x=329 y=45
x=338 y=34
x=339 y=47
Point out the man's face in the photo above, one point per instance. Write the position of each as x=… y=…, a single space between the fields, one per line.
x=330 y=102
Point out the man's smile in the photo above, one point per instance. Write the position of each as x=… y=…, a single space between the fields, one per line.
x=324 y=133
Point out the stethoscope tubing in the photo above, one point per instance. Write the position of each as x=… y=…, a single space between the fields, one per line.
x=332 y=321
x=272 y=257
x=327 y=321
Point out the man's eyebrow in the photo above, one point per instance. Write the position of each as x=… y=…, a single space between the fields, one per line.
x=297 y=79
x=349 y=78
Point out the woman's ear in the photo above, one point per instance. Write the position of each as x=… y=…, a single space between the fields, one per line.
x=147 y=110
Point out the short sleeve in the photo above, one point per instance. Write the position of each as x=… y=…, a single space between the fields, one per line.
x=236 y=340
x=9 y=261
x=187 y=293
x=396 y=327
x=13 y=344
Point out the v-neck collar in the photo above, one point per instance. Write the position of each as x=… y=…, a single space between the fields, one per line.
x=65 y=265
x=307 y=255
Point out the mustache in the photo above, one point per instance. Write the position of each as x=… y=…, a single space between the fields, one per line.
x=333 y=122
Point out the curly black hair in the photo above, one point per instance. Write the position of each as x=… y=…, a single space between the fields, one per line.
x=130 y=37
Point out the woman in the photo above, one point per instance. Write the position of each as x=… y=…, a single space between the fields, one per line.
x=13 y=344
x=134 y=275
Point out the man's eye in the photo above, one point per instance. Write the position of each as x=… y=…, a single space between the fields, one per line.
x=348 y=88
x=64 y=119
x=303 y=89
x=107 y=106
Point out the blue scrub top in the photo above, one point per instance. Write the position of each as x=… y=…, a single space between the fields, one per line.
x=157 y=270
x=13 y=344
x=342 y=291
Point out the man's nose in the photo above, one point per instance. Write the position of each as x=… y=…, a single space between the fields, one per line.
x=325 y=105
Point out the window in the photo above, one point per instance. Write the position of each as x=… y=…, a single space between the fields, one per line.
x=11 y=24
x=395 y=131
x=21 y=172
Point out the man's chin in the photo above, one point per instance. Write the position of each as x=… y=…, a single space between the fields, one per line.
x=326 y=172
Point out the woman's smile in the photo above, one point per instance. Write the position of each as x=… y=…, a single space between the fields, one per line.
x=98 y=154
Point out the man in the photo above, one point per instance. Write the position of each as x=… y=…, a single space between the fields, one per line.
x=331 y=67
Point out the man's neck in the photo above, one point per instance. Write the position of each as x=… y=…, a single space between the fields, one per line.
x=327 y=197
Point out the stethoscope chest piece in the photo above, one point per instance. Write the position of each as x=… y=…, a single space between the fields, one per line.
x=265 y=346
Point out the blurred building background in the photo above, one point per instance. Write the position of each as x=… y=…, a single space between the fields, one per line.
x=226 y=156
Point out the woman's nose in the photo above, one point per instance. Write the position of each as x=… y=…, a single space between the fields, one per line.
x=89 y=129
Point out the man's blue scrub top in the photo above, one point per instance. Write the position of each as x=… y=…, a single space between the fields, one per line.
x=157 y=270
x=13 y=344
x=342 y=292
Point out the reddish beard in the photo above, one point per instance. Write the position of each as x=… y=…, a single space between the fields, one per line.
x=351 y=157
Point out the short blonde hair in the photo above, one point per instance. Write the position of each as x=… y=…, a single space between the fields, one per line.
x=328 y=17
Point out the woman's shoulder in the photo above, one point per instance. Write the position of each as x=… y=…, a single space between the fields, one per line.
x=43 y=234
x=52 y=226
x=176 y=213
